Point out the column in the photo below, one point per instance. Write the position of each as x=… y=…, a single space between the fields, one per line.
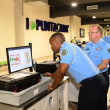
x=19 y=23
x=71 y=28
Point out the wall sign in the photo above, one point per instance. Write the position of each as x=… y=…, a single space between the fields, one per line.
x=46 y=26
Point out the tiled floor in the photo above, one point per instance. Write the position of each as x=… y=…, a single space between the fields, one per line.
x=72 y=106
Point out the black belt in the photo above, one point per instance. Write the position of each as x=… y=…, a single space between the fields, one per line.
x=89 y=79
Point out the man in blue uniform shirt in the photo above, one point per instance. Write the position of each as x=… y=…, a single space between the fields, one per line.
x=107 y=39
x=80 y=67
x=99 y=52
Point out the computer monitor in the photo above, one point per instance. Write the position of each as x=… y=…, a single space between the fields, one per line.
x=19 y=58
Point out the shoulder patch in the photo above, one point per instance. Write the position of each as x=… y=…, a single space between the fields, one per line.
x=64 y=52
x=108 y=50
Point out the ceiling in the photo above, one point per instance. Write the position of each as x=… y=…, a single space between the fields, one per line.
x=69 y=2
x=59 y=8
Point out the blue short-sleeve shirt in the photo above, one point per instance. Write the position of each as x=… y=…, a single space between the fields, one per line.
x=98 y=52
x=107 y=39
x=80 y=65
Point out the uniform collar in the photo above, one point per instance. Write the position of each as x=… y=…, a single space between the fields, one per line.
x=62 y=46
x=99 y=42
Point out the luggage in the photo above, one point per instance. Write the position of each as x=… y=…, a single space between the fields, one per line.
x=17 y=82
x=46 y=66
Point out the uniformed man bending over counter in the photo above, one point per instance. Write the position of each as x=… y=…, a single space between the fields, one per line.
x=80 y=67
x=99 y=52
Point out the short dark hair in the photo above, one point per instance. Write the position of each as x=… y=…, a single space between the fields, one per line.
x=59 y=36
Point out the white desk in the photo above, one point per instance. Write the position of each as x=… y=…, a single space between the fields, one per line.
x=48 y=100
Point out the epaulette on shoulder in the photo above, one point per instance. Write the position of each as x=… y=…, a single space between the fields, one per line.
x=104 y=43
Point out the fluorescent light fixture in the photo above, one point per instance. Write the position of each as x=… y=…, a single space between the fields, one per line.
x=74 y=4
x=94 y=17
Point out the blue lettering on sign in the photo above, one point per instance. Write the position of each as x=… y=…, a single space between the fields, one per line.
x=27 y=23
x=48 y=26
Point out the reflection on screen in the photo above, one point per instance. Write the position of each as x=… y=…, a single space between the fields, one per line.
x=19 y=58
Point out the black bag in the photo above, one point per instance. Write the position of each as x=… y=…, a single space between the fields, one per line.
x=46 y=66
x=17 y=82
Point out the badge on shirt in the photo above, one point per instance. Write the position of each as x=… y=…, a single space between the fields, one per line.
x=64 y=52
x=98 y=49
x=108 y=50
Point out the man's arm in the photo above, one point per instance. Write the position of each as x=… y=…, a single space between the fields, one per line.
x=103 y=65
x=51 y=75
x=59 y=75
x=54 y=74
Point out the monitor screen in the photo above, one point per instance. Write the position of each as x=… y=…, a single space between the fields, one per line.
x=19 y=58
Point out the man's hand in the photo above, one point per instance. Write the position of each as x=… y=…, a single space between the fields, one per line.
x=50 y=88
x=48 y=74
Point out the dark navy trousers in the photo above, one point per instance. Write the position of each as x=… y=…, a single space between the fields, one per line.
x=91 y=93
x=106 y=76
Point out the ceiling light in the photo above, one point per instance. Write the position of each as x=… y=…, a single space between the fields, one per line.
x=94 y=17
x=107 y=25
x=74 y=4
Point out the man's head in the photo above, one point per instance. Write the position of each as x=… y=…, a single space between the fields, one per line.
x=95 y=33
x=56 y=40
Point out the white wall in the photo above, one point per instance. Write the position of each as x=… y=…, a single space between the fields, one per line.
x=77 y=25
x=19 y=22
x=7 y=34
x=39 y=38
